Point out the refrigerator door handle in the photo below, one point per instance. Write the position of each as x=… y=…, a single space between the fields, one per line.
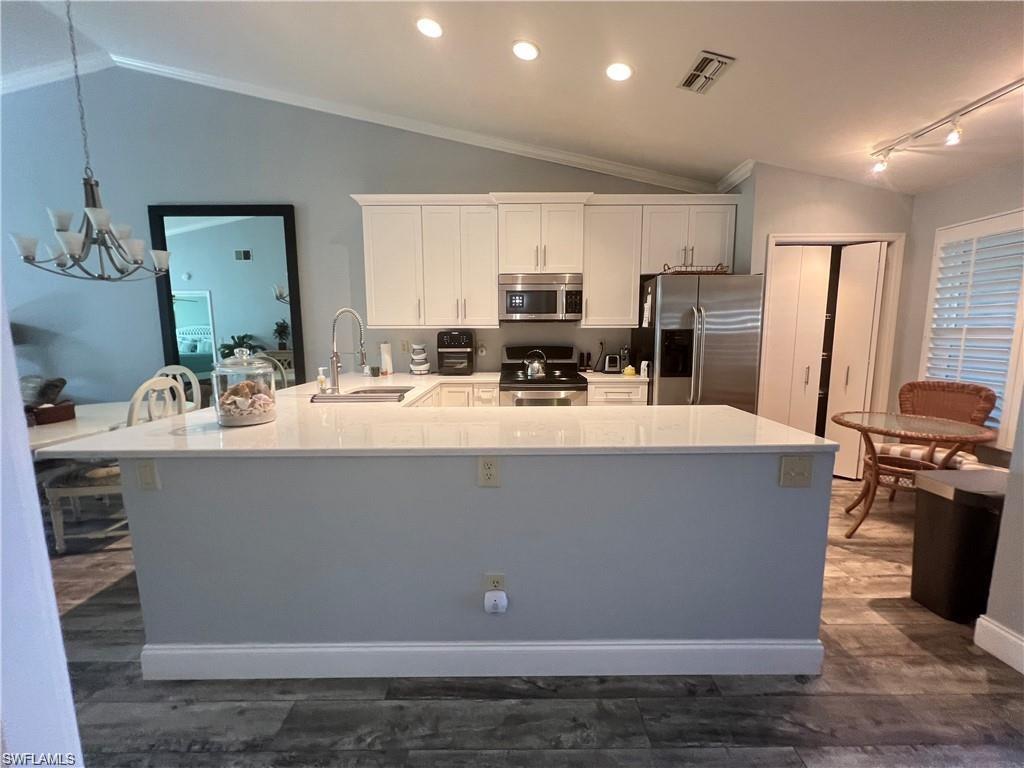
x=695 y=362
x=703 y=327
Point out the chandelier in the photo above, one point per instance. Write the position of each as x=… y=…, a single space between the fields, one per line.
x=118 y=254
x=281 y=294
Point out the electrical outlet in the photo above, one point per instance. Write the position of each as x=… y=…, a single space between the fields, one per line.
x=149 y=480
x=487 y=472
x=404 y=345
x=795 y=471
x=494 y=581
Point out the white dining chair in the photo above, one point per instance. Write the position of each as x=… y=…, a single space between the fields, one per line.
x=184 y=376
x=157 y=398
x=280 y=372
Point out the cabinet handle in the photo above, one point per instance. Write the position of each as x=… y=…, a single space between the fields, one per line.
x=693 y=254
x=536 y=255
x=456 y=309
x=464 y=313
x=586 y=306
x=847 y=382
x=419 y=309
x=807 y=375
x=544 y=255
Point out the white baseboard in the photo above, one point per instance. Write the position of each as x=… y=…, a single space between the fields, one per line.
x=1001 y=641
x=172 y=661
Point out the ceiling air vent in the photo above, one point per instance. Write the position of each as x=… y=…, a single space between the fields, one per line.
x=705 y=72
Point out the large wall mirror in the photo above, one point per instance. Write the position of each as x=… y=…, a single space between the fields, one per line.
x=233 y=281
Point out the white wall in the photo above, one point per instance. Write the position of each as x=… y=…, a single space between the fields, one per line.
x=156 y=140
x=792 y=202
x=993 y=191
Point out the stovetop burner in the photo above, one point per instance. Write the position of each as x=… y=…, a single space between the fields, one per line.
x=560 y=371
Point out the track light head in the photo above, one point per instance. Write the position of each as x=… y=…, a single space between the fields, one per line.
x=955 y=133
x=881 y=163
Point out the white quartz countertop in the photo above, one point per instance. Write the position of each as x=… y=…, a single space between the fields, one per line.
x=357 y=429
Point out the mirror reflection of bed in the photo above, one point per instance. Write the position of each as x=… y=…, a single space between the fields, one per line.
x=232 y=284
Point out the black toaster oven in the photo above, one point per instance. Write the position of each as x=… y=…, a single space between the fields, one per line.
x=455 y=353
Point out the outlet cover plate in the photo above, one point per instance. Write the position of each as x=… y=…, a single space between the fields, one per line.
x=494 y=581
x=488 y=473
x=795 y=471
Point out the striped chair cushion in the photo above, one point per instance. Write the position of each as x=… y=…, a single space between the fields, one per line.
x=912 y=451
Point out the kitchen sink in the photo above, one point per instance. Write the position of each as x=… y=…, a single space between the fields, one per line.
x=364 y=395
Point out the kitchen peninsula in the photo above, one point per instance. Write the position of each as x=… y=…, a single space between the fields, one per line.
x=352 y=540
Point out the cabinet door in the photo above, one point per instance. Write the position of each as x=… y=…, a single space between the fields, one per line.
x=666 y=229
x=778 y=342
x=442 y=279
x=810 y=331
x=519 y=238
x=853 y=347
x=485 y=394
x=561 y=237
x=393 y=253
x=456 y=395
x=611 y=268
x=711 y=235
x=479 y=266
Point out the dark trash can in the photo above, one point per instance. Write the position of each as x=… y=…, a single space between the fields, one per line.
x=955 y=530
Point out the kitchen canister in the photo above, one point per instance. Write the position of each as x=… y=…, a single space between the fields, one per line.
x=243 y=390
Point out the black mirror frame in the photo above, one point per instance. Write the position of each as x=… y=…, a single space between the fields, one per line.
x=157 y=213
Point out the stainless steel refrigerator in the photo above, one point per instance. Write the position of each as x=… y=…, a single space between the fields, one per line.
x=702 y=336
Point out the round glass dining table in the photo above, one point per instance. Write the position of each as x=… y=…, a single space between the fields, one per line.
x=923 y=430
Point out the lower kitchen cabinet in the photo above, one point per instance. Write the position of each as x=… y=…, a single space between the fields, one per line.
x=456 y=395
x=485 y=394
x=616 y=393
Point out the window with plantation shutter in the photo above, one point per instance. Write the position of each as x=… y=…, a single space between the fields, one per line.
x=974 y=326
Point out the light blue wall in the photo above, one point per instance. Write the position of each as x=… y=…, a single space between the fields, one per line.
x=241 y=291
x=156 y=140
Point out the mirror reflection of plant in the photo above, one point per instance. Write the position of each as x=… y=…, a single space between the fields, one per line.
x=244 y=341
x=281 y=332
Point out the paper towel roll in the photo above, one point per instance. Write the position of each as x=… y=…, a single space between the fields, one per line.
x=387 y=367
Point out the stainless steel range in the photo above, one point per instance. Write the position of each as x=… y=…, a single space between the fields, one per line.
x=544 y=374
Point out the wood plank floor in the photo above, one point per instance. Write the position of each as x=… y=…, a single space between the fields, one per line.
x=900 y=688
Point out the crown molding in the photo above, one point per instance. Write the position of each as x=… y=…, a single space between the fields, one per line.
x=53 y=72
x=561 y=157
x=740 y=173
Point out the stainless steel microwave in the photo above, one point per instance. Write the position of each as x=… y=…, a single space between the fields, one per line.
x=540 y=296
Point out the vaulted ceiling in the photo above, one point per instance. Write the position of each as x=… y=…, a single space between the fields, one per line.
x=816 y=86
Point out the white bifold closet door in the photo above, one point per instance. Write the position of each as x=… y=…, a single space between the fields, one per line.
x=796 y=300
x=853 y=347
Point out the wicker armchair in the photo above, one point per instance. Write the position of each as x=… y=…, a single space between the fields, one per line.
x=960 y=401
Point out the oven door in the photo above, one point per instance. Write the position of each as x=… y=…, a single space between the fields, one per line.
x=455 y=362
x=532 y=302
x=543 y=397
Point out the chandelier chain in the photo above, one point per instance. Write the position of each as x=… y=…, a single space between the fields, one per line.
x=78 y=91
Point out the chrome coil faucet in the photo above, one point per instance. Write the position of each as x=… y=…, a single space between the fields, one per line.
x=335 y=372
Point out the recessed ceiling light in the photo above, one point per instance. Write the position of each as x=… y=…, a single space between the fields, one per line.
x=619 y=71
x=429 y=27
x=525 y=50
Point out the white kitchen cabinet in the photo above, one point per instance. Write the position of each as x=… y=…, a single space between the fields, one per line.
x=611 y=266
x=442 y=265
x=617 y=393
x=393 y=253
x=485 y=394
x=795 y=347
x=666 y=233
x=711 y=234
x=456 y=395
x=853 y=347
x=479 y=275
x=433 y=266
x=561 y=232
x=540 y=237
x=518 y=238
x=688 y=235
x=795 y=306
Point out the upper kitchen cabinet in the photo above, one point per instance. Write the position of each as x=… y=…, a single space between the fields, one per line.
x=479 y=269
x=611 y=266
x=540 y=237
x=393 y=253
x=442 y=265
x=687 y=235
